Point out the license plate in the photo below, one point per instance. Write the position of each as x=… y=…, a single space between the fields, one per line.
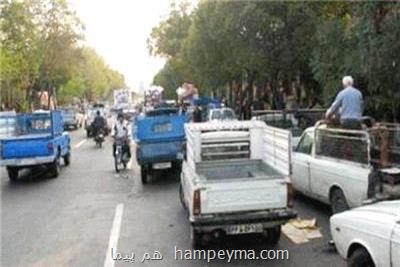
x=244 y=229
x=162 y=165
x=161 y=128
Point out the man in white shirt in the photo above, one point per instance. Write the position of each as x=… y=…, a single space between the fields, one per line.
x=120 y=131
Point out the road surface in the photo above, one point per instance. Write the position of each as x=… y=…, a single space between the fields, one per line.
x=75 y=219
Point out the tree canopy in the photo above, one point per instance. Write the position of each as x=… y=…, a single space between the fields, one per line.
x=305 y=47
x=41 y=49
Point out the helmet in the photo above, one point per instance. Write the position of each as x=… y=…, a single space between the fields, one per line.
x=98 y=113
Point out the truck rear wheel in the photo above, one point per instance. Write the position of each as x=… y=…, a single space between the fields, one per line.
x=273 y=235
x=67 y=159
x=196 y=238
x=12 y=173
x=55 y=167
x=144 y=174
x=338 y=201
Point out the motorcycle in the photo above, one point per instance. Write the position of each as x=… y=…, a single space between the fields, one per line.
x=121 y=157
x=99 y=137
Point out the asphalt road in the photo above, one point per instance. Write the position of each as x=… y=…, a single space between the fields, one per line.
x=75 y=219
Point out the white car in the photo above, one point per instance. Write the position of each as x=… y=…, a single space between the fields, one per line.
x=369 y=235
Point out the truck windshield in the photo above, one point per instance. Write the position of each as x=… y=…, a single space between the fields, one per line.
x=34 y=125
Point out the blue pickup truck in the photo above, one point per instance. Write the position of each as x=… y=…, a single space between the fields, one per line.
x=38 y=140
x=160 y=140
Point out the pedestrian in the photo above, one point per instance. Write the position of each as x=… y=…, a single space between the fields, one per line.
x=348 y=104
x=279 y=99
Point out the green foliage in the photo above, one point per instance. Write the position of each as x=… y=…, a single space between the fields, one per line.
x=309 y=44
x=40 y=48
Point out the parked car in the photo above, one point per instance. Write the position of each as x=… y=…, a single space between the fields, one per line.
x=369 y=236
x=160 y=140
x=334 y=165
x=39 y=140
x=70 y=118
x=233 y=181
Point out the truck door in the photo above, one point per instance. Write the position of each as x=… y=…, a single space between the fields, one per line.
x=395 y=245
x=301 y=163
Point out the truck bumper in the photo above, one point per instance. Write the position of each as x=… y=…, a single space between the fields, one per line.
x=268 y=218
x=27 y=161
x=169 y=151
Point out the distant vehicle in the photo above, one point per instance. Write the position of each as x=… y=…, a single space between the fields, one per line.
x=295 y=121
x=70 y=117
x=221 y=114
x=90 y=115
x=8 y=121
x=368 y=236
x=160 y=140
x=122 y=98
x=333 y=165
x=39 y=140
x=233 y=181
x=99 y=137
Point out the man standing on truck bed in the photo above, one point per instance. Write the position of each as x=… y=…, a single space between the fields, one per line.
x=349 y=103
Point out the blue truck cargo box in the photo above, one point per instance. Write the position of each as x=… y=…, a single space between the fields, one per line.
x=159 y=128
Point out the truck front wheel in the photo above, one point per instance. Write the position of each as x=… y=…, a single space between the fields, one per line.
x=12 y=173
x=273 y=235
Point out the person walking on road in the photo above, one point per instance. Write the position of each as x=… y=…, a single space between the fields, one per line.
x=349 y=104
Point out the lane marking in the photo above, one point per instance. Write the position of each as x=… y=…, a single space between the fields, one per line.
x=80 y=143
x=114 y=235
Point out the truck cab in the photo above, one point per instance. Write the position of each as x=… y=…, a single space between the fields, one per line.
x=38 y=139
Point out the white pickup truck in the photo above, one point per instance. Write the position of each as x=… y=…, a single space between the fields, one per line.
x=335 y=169
x=235 y=180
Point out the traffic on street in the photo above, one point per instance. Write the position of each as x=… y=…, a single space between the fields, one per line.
x=199 y=133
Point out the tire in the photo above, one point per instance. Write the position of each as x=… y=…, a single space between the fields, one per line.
x=360 y=258
x=67 y=159
x=116 y=164
x=144 y=174
x=181 y=197
x=177 y=166
x=55 y=167
x=87 y=134
x=196 y=238
x=338 y=201
x=12 y=173
x=273 y=235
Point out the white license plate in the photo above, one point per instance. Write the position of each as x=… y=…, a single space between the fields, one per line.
x=162 y=165
x=244 y=229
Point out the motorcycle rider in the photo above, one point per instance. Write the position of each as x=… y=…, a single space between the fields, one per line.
x=99 y=123
x=120 y=132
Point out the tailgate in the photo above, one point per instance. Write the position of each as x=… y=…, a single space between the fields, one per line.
x=233 y=196
x=25 y=148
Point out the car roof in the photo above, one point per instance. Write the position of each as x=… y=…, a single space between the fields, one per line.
x=385 y=207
